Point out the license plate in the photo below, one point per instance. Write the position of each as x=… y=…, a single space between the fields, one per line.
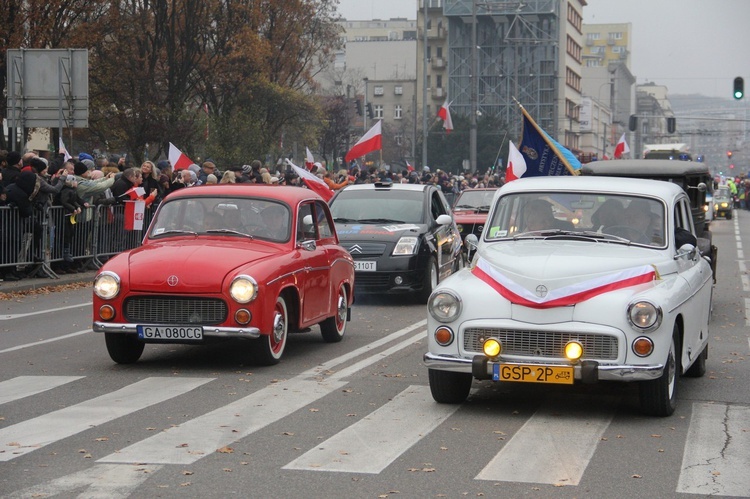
x=533 y=373
x=174 y=333
x=363 y=266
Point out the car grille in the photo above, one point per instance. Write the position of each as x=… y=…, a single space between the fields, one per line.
x=364 y=249
x=542 y=343
x=371 y=279
x=175 y=310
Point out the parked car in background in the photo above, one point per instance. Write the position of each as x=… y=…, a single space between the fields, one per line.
x=470 y=210
x=402 y=237
x=576 y=279
x=225 y=262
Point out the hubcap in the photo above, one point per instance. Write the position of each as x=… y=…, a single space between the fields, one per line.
x=278 y=327
x=341 y=309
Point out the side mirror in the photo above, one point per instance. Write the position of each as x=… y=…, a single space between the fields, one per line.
x=444 y=220
x=308 y=245
x=471 y=243
x=686 y=250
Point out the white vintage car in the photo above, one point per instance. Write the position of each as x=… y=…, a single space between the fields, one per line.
x=576 y=279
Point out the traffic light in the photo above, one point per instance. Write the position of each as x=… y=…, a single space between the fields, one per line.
x=370 y=114
x=358 y=103
x=729 y=154
x=671 y=125
x=739 y=88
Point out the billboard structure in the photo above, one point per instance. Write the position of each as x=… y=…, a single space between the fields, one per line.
x=47 y=88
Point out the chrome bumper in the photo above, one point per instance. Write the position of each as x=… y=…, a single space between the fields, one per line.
x=208 y=331
x=604 y=372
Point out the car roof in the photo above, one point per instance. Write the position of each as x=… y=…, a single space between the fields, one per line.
x=385 y=187
x=288 y=194
x=644 y=168
x=627 y=186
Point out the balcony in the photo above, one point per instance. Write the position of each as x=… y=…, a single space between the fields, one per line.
x=438 y=62
x=438 y=93
x=434 y=33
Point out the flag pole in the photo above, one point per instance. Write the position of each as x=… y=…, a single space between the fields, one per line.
x=544 y=135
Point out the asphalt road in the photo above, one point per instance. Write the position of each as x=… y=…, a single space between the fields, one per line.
x=354 y=419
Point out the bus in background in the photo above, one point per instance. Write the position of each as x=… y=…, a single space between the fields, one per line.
x=667 y=151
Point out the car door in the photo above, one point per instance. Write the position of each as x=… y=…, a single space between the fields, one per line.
x=697 y=272
x=313 y=240
x=443 y=234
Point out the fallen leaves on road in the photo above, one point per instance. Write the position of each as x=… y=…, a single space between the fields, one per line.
x=45 y=290
x=225 y=450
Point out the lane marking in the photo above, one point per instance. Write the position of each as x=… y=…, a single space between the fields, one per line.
x=716 y=459
x=747 y=312
x=26 y=386
x=99 y=481
x=542 y=450
x=27 y=436
x=374 y=442
x=8 y=317
x=50 y=340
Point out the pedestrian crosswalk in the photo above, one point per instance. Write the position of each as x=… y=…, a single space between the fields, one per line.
x=715 y=461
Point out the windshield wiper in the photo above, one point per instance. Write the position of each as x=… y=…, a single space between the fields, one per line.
x=177 y=231
x=588 y=234
x=345 y=220
x=380 y=221
x=229 y=231
x=464 y=206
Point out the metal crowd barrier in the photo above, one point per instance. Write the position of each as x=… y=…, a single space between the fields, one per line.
x=37 y=243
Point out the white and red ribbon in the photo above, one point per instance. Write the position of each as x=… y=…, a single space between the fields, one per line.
x=566 y=295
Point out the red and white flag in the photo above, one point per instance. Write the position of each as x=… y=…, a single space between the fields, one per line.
x=444 y=113
x=409 y=167
x=135 y=211
x=313 y=182
x=621 y=148
x=371 y=141
x=179 y=160
x=61 y=148
x=516 y=163
x=135 y=193
x=309 y=158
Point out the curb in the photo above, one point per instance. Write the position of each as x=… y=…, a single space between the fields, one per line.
x=45 y=282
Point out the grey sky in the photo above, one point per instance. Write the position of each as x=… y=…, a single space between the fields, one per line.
x=691 y=46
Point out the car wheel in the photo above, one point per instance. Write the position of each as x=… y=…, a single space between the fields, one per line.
x=448 y=387
x=268 y=349
x=430 y=280
x=698 y=369
x=659 y=396
x=333 y=328
x=123 y=348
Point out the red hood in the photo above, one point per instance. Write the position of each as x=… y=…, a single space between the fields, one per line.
x=199 y=266
x=469 y=216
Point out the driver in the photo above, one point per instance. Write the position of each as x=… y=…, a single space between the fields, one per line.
x=539 y=216
x=274 y=218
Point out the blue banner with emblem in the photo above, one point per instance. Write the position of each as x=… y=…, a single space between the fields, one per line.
x=544 y=156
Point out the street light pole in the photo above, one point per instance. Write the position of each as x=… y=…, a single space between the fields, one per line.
x=424 y=85
x=364 y=107
x=474 y=81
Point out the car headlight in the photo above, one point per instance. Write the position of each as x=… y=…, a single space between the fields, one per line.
x=724 y=205
x=107 y=285
x=407 y=245
x=644 y=315
x=243 y=289
x=444 y=306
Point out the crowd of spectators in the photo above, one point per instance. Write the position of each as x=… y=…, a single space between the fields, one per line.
x=31 y=184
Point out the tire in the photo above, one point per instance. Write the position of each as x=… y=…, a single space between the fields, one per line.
x=659 y=396
x=430 y=279
x=448 y=387
x=268 y=349
x=333 y=328
x=123 y=348
x=698 y=369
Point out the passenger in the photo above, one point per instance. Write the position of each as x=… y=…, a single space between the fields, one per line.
x=639 y=217
x=274 y=218
x=609 y=214
x=539 y=216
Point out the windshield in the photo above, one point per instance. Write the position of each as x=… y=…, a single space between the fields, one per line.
x=722 y=193
x=378 y=206
x=631 y=219
x=474 y=200
x=239 y=217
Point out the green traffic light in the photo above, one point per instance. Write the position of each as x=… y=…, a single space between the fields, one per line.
x=737 y=94
x=739 y=87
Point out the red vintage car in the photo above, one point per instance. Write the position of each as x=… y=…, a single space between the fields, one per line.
x=470 y=210
x=226 y=262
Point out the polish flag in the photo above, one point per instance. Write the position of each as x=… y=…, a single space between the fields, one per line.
x=444 y=113
x=313 y=182
x=371 y=141
x=178 y=159
x=516 y=163
x=135 y=211
x=135 y=193
x=621 y=148
x=61 y=148
x=409 y=167
x=309 y=159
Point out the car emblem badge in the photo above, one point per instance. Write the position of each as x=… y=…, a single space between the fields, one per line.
x=172 y=280
x=355 y=249
x=541 y=291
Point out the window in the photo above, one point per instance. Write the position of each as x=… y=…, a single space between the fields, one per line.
x=617 y=49
x=378 y=90
x=439 y=51
x=305 y=225
x=439 y=79
x=615 y=35
x=324 y=225
x=592 y=36
x=398 y=112
x=378 y=109
x=399 y=139
x=398 y=90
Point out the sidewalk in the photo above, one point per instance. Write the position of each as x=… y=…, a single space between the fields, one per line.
x=33 y=283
